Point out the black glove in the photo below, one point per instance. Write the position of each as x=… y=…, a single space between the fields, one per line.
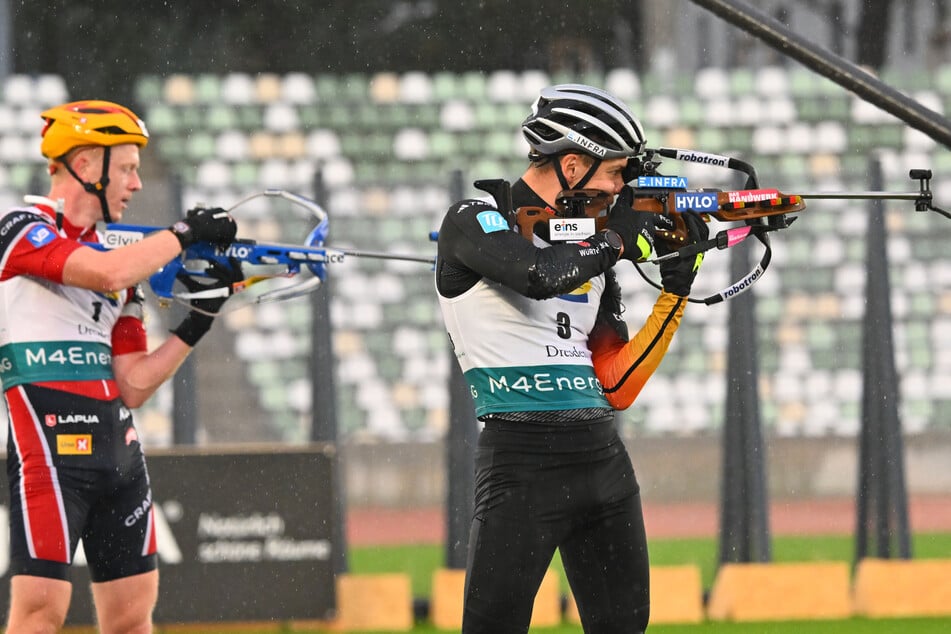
x=677 y=274
x=636 y=228
x=201 y=224
x=199 y=319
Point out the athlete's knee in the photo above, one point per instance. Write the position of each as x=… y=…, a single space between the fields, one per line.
x=37 y=605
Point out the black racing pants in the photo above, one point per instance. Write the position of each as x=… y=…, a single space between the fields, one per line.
x=538 y=491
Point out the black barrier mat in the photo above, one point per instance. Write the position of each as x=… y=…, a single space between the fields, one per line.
x=243 y=536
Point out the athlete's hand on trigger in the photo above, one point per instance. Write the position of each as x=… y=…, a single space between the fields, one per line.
x=218 y=276
x=635 y=228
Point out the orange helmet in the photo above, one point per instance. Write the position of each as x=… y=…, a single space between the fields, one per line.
x=80 y=123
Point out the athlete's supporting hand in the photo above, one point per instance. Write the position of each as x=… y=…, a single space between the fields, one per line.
x=677 y=274
x=209 y=297
x=201 y=224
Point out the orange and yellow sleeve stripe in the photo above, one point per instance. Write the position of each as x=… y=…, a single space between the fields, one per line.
x=623 y=367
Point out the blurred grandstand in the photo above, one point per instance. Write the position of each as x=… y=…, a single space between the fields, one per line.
x=385 y=144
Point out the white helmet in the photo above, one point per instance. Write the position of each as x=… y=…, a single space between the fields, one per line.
x=576 y=117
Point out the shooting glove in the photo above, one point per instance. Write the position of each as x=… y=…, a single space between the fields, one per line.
x=201 y=224
x=677 y=275
x=636 y=228
x=204 y=309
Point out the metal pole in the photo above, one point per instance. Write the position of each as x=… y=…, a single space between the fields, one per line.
x=6 y=40
x=324 y=399
x=744 y=515
x=839 y=70
x=184 y=383
x=881 y=501
x=461 y=440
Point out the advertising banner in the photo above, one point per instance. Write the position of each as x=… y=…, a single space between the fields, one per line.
x=243 y=535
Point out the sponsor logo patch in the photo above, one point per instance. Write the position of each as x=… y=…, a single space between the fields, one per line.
x=491 y=221
x=752 y=195
x=40 y=235
x=570 y=229
x=74 y=444
x=696 y=202
x=661 y=182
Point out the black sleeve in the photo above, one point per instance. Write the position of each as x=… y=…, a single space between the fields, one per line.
x=476 y=241
x=611 y=310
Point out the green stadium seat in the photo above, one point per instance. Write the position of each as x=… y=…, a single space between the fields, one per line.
x=354 y=87
x=207 y=88
x=200 y=146
x=472 y=86
x=161 y=118
x=219 y=117
x=148 y=90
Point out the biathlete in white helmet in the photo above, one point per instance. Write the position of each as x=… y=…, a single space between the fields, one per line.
x=531 y=303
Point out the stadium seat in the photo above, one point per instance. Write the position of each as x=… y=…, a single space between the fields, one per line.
x=268 y=88
x=238 y=89
x=662 y=111
x=502 y=86
x=207 y=89
x=531 y=83
x=771 y=81
x=50 y=90
x=221 y=117
x=148 y=90
x=16 y=149
x=322 y=143
x=410 y=144
x=18 y=90
x=179 y=90
x=298 y=89
x=280 y=117
x=416 y=88
x=262 y=145
x=385 y=88
x=712 y=82
x=472 y=86
x=214 y=174
x=27 y=118
x=623 y=82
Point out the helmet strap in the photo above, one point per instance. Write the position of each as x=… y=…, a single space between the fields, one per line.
x=98 y=189
x=584 y=179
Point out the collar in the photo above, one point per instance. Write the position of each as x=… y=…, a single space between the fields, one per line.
x=69 y=230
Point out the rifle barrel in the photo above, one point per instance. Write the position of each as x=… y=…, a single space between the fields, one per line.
x=872 y=195
x=386 y=256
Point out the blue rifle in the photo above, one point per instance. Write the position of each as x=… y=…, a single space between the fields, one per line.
x=289 y=260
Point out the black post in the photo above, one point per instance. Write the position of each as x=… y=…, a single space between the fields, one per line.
x=882 y=529
x=6 y=40
x=324 y=398
x=744 y=517
x=185 y=381
x=461 y=440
